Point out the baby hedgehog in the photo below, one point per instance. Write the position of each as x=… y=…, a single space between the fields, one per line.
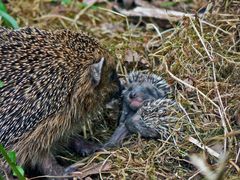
x=52 y=82
x=140 y=87
x=147 y=108
x=155 y=119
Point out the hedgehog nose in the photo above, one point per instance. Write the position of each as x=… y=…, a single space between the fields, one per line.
x=132 y=95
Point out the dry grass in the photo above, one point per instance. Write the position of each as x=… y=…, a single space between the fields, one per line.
x=200 y=58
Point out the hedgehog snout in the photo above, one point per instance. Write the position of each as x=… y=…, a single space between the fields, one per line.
x=132 y=95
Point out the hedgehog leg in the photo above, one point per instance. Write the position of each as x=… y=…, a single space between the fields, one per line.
x=83 y=147
x=49 y=166
x=126 y=112
x=34 y=148
x=118 y=136
x=136 y=125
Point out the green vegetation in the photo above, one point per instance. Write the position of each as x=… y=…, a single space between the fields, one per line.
x=1 y=84
x=9 y=21
x=167 y=4
x=199 y=58
x=66 y=2
x=11 y=159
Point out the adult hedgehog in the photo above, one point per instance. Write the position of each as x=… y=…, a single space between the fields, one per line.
x=52 y=82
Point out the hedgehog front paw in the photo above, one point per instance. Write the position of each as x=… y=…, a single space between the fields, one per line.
x=86 y=151
x=85 y=148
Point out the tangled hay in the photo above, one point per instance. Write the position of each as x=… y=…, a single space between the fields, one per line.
x=200 y=58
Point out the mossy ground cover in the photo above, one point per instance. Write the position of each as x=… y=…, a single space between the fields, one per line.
x=198 y=56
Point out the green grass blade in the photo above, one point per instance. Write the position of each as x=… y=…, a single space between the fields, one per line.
x=1 y=84
x=3 y=7
x=12 y=156
x=168 y=4
x=20 y=169
x=9 y=19
x=11 y=164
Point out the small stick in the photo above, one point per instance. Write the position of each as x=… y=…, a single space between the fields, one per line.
x=202 y=146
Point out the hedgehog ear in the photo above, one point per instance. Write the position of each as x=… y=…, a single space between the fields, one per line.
x=96 y=72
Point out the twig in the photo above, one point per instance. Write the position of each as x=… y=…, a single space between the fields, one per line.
x=202 y=146
x=236 y=160
x=55 y=16
x=83 y=11
x=116 y=13
x=154 y=13
x=190 y=121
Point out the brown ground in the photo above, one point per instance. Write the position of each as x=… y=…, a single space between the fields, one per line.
x=200 y=58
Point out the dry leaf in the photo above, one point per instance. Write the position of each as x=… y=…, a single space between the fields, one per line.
x=111 y=28
x=131 y=56
x=91 y=169
x=190 y=82
x=218 y=147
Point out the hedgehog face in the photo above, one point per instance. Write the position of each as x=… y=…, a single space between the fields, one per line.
x=104 y=81
x=137 y=93
x=110 y=83
x=97 y=79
